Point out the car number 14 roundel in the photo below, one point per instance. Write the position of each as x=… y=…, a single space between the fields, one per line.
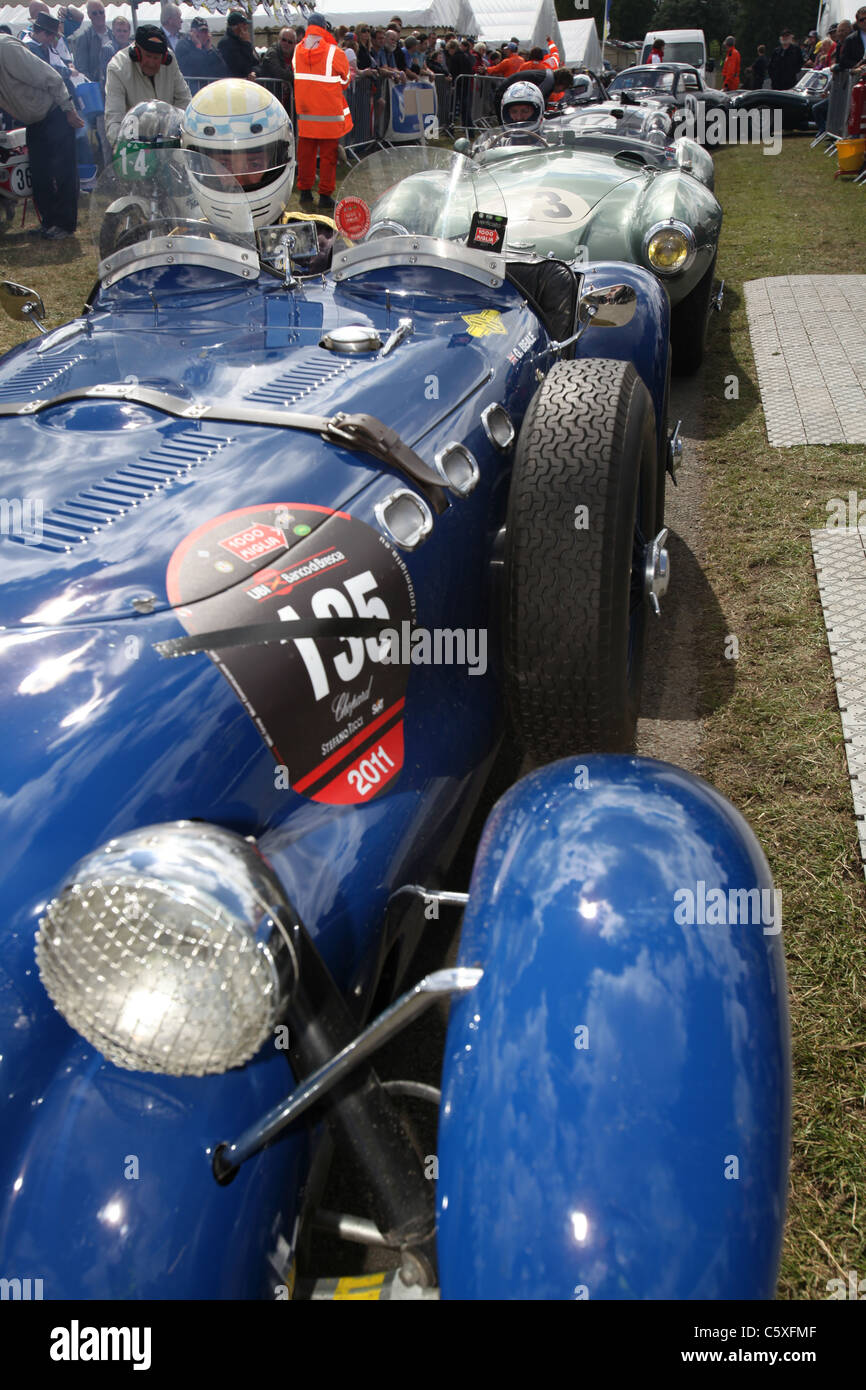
x=329 y=708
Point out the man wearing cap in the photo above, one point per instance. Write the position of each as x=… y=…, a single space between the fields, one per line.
x=513 y=63
x=61 y=56
x=322 y=116
x=196 y=55
x=236 y=49
x=145 y=72
x=785 y=62
x=731 y=66
x=44 y=34
x=36 y=95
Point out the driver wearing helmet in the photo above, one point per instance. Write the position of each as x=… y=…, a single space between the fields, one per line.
x=246 y=130
x=522 y=112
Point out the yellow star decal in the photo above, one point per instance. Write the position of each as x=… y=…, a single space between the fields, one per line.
x=487 y=322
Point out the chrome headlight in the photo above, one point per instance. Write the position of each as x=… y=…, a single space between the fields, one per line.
x=169 y=950
x=669 y=247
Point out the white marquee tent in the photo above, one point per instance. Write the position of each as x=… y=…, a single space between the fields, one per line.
x=581 y=45
x=831 y=11
x=456 y=14
x=265 y=17
x=495 y=21
x=528 y=20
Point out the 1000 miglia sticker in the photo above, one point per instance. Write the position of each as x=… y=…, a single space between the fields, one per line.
x=328 y=708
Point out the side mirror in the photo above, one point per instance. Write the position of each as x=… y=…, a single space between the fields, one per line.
x=22 y=304
x=462 y=145
x=613 y=307
x=711 y=65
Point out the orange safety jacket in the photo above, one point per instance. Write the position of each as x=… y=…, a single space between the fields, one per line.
x=506 y=67
x=551 y=62
x=321 y=77
x=731 y=71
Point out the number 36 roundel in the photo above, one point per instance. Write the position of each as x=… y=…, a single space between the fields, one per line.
x=329 y=708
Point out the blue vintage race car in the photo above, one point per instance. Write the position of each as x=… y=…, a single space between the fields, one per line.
x=296 y=555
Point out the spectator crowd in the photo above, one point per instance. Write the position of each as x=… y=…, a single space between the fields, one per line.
x=164 y=62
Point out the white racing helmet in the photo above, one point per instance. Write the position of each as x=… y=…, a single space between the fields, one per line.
x=523 y=94
x=243 y=127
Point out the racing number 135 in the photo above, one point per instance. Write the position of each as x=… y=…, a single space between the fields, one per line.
x=333 y=603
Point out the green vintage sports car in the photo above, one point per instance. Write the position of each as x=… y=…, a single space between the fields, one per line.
x=606 y=197
x=596 y=198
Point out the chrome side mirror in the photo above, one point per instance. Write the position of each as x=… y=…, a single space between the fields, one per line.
x=22 y=304
x=609 y=308
x=462 y=146
x=613 y=307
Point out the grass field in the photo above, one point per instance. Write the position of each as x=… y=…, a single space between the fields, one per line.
x=775 y=746
x=773 y=740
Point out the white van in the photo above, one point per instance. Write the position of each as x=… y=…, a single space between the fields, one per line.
x=681 y=46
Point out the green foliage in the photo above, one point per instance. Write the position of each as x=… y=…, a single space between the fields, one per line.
x=761 y=21
x=750 y=21
x=629 y=19
x=715 y=17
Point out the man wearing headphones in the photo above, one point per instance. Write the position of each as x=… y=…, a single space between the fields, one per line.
x=145 y=72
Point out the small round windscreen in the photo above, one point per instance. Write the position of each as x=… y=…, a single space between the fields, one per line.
x=409 y=192
x=147 y=193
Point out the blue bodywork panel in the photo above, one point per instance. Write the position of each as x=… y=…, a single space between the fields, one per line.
x=615 y=1106
x=105 y=1181
x=124 y=738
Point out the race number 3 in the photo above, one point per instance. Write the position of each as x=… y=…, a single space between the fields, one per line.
x=20 y=180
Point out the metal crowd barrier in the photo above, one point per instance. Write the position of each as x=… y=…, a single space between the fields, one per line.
x=445 y=101
x=282 y=90
x=369 y=103
x=474 y=101
x=841 y=84
x=362 y=96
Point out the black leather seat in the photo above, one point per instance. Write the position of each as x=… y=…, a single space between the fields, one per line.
x=550 y=286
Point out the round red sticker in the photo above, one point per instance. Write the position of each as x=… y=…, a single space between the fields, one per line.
x=331 y=709
x=352 y=216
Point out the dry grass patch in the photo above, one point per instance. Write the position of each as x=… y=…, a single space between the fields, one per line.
x=776 y=746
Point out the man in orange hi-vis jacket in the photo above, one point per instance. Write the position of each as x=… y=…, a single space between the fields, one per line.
x=322 y=116
x=538 y=59
x=731 y=66
x=510 y=64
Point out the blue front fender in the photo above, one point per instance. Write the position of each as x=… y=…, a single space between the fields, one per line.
x=645 y=341
x=615 y=1109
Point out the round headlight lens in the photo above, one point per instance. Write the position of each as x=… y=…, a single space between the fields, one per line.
x=669 y=248
x=166 y=951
